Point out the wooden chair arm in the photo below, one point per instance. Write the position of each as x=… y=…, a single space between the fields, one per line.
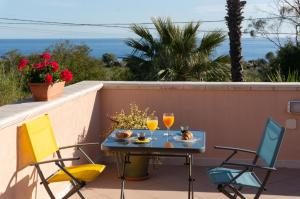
x=55 y=160
x=79 y=145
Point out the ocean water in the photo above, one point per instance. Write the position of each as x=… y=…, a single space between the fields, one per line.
x=253 y=48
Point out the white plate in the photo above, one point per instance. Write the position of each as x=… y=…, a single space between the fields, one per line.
x=179 y=139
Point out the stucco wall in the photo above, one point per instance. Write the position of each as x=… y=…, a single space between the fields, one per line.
x=231 y=114
x=74 y=118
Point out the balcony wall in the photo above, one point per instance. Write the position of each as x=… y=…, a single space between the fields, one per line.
x=230 y=113
x=75 y=118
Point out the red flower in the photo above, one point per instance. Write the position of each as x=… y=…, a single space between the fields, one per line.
x=39 y=66
x=43 y=71
x=49 y=78
x=22 y=64
x=46 y=56
x=66 y=75
x=55 y=66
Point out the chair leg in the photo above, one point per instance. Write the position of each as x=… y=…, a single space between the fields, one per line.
x=236 y=192
x=78 y=192
x=80 y=195
x=222 y=188
x=262 y=188
x=75 y=189
x=239 y=189
x=44 y=182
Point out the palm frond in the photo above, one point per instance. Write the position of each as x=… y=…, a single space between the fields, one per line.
x=140 y=47
x=211 y=41
x=143 y=32
x=134 y=60
x=222 y=59
x=174 y=55
x=190 y=32
x=165 y=29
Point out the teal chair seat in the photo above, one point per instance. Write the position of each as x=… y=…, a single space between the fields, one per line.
x=221 y=175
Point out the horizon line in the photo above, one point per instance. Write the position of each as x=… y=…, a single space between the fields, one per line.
x=85 y=38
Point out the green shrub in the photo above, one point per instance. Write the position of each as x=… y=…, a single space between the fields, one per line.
x=287 y=59
x=77 y=58
x=11 y=88
x=110 y=59
x=117 y=73
x=279 y=77
x=74 y=57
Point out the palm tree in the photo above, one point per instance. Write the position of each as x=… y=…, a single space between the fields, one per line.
x=234 y=19
x=175 y=55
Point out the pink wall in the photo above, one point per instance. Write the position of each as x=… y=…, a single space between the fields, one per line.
x=73 y=121
x=230 y=114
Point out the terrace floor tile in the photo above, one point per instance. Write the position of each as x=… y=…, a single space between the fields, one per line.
x=171 y=182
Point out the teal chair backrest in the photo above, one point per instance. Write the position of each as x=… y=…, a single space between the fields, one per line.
x=270 y=143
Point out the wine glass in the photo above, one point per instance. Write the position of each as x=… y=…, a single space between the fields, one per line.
x=168 y=119
x=152 y=123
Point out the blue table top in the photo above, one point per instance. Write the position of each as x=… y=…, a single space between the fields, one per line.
x=161 y=143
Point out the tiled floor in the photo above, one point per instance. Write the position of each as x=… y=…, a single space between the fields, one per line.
x=171 y=182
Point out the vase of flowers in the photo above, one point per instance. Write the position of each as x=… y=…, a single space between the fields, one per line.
x=138 y=167
x=45 y=78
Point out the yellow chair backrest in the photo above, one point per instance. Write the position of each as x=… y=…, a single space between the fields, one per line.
x=39 y=136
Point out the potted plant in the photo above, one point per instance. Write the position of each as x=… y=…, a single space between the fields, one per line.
x=45 y=78
x=137 y=169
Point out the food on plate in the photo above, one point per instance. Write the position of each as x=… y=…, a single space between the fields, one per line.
x=124 y=134
x=187 y=135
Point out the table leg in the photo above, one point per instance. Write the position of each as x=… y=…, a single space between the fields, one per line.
x=126 y=160
x=191 y=180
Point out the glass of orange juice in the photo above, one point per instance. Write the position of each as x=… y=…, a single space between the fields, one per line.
x=168 y=119
x=152 y=123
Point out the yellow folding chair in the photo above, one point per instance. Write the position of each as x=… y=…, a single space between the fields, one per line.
x=41 y=143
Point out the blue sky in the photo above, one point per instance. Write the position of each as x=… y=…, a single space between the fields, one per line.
x=111 y=11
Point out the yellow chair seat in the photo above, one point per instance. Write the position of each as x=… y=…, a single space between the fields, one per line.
x=85 y=172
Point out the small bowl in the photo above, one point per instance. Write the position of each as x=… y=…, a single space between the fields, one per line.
x=141 y=136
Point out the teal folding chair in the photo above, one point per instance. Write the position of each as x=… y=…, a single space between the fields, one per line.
x=230 y=181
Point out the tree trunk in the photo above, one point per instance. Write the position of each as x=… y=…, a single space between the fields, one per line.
x=234 y=19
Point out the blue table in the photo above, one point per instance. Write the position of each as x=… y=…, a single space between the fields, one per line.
x=161 y=145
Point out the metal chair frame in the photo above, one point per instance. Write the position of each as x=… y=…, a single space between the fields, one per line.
x=59 y=162
x=228 y=188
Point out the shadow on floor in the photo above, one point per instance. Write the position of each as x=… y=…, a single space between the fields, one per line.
x=284 y=182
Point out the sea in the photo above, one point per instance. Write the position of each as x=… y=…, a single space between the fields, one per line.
x=253 y=48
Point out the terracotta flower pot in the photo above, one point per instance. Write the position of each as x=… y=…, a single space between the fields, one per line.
x=45 y=92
